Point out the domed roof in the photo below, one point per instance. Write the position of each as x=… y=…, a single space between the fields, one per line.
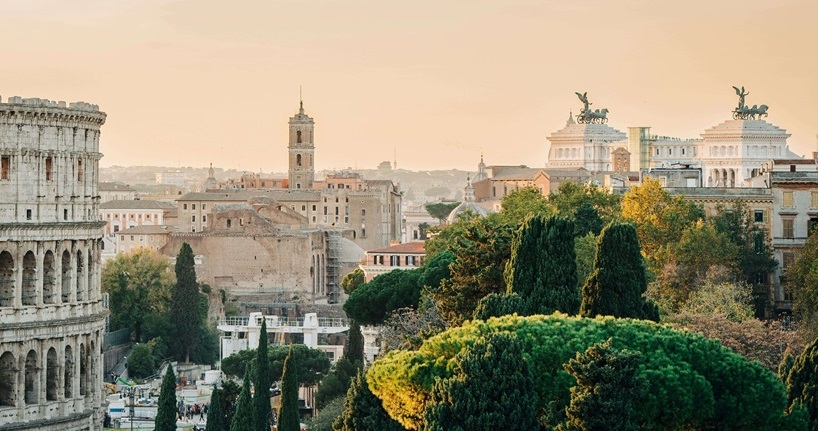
x=467 y=205
x=349 y=251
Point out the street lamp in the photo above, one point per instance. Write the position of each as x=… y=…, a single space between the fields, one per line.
x=131 y=395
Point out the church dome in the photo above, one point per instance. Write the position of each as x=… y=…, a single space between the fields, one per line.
x=468 y=205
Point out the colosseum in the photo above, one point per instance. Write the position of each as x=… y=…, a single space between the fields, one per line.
x=51 y=312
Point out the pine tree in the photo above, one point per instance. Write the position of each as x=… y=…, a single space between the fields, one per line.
x=618 y=282
x=608 y=390
x=288 y=418
x=491 y=389
x=243 y=416
x=214 y=412
x=354 y=351
x=261 y=383
x=166 y=412
x=802 y=383
x=543 y=268
x=363 y=411
x=185 y=304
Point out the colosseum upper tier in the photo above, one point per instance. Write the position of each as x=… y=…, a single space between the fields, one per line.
x=51 y=313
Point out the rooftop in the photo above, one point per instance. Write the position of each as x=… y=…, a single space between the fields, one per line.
x=415 y=247
x=137 y=204
x=245 y=195
x=146 y=230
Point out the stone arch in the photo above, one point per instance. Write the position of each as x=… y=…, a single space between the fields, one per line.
x=29 y=284
x=724 y=177
x=6 y=279
x=298 y=138
x=48 y=278
x=32 y=379
x=51 y=375
x=298 y=159
x=716 y=177
x=732 y=177
x=83 y=354
x=80 y=276
x=66 y=276
x=8 y=378
x=68 y=376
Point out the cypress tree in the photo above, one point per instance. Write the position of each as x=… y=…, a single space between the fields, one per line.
x=243 y=416
x=185 y=314
x=618 y=282
x=288 y=418
x=494 y=305
x=215 y=417
x=166 y=411
x=261 y=398
x=543 y=268
x=491 y=389
x=354 y=351
x=802 y=383
x=363 y=411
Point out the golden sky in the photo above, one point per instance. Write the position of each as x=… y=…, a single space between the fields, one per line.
x=190 y=82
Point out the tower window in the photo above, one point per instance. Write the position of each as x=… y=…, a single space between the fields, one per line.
x=298 y=137
x=298 y=157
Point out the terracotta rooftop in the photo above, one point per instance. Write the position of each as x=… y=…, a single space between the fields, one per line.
x=148 y=229
x=138 y=204
x=415 y=247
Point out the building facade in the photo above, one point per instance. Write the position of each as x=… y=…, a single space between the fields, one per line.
x=408 y=255
x=51 y=313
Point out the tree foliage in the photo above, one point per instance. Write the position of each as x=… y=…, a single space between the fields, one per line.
x=186 y=305
x=659 y=218
x=166 y=410
x=141 y=363
x=408 y=327
x=288 y=417
x=441 y=210
x=363 y=411
x=542 y=268
x=754 y=254
x=351 y=281
x=139 y=286
x=525 y=202
x=707 y=385
x=243 y=415
x=585 y=251
x=326 y=416
x=215 y=416
x=608 y=392
x=372 y=302
x=228 y=396
x=802 y=383
x=618 y=283
x=310 y=364
x=336 y=383
x=576 y=200
x=261 y=383
x=491 y=388
x=481 y=248
x=354 y=349
x=495 y=305
x=802 y=280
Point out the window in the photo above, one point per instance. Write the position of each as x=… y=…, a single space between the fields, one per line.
x=683 y=151
x=363 y=232
x=79 y=170
x=65 y=214
x=204 y=219
x=122 y=237
x=758 y=216
x=204 y=207
x=313 y=207
x=325 y=210
x=787 y=261
x=814 y=203
x=184 y=207
x=298 y=159
x=48 y=166
x=131 y=237
x=657 y=151
x=228 y=223
x=193 y=206
x=303 y=207
x=193 y=229
x=363 y=213
x=788 y=203
x=298 y=141
x=788 y=225
x=193 y=219
x=28 y=214
x=6 y=167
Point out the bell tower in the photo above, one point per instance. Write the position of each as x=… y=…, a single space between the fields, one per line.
x=302 y=150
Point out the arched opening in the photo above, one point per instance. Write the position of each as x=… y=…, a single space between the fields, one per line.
x=66 y=276
x=68 y=376
x=90 y=273
x=83 y=369
x=7 y=380
x=732 y=178
x=52 y=368
x=32 y=382
x=298 y=136
x=48 y=278
x=29 y=296
x=80 y=276
x=6 y=279
x=298 y=159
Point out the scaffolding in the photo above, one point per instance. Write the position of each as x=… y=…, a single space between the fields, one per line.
x=333 y=266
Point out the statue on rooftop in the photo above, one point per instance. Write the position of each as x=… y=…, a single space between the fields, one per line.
x=588 y=116
x=744 y=112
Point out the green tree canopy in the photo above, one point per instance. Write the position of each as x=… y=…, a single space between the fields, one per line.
x=351 y=281
x=802 y=280
x=363 y=411
x=354 y=349
x=618 y=283
x=288 y=417
x=491 y=388
x=215 y=416
x=243 y=415
x=693 y=382
x=261 y=383
x=310 y=365
x=372 y=302
x=166 y=411
x=495 y=305
x=139 y=286
x=543 y=268
x=576 y=200
x=525 y=202
x=754 y=254
x=441 y=210
x=802 y=383
x=186 y=305
x=141 y=363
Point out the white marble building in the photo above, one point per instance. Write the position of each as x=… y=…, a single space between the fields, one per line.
x=51 y=313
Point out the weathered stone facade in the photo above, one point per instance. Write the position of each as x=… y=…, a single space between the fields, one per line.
x=51 y=314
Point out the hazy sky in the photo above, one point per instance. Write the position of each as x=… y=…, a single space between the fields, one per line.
x=189 y=82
